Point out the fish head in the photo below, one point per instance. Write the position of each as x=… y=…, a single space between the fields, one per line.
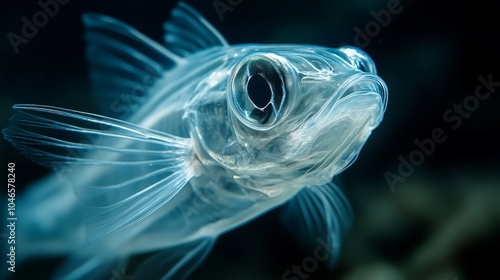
x=289 y=116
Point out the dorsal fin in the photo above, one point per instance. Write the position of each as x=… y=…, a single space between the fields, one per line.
x=187 y=32
x=124 y=64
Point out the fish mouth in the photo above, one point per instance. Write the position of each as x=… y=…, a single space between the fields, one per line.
x=344 y=122
x=366 y=88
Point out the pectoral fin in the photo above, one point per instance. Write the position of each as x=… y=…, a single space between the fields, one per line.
x=122 y=173
x=319 y=216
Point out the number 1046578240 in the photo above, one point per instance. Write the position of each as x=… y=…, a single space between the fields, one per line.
x=11 y=188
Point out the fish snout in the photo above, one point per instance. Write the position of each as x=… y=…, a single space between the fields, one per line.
x=344 y=122
x=360 y=94
x=358 y=59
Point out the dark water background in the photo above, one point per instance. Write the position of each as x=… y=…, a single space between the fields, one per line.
x=442 y=222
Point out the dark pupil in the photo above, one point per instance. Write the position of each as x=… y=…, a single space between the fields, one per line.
x=258 y=91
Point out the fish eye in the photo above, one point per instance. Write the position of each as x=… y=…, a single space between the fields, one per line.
x=260 y=95
x=259 y=91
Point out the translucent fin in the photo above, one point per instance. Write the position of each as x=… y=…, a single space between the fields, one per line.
x=187 y=32
x=319 y=215
x=121 y=172
x=124 y=64
x=46 y=205
x=177 y=262
x=95 y=267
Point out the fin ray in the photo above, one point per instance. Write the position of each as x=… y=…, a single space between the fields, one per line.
x=97 y=267
x=187 y=32
x=177 y=262
x=319 y=212
x=148 y=167
x=123 y=62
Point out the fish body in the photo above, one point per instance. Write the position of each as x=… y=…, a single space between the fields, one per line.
x=199 y=138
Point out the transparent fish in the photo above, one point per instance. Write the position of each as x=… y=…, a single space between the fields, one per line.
x=197 y=137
